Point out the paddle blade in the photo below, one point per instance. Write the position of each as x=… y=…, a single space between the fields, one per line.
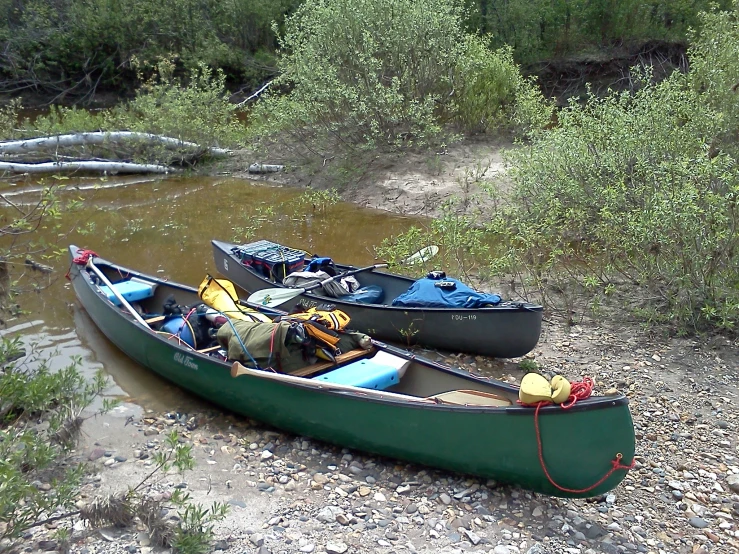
x=422 y=255
x=273 y=297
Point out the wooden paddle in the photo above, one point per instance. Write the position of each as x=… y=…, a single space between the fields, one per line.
x=279 y=295
x=117 y=294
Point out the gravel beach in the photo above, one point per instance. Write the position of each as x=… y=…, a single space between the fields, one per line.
x=289 y=494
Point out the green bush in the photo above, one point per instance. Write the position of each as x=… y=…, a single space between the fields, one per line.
x=194 y=109
x=40 y=416
x=365 y=74
x=541 y=29
x=624 y=190
x=714 y=70
x=74 y=47
x=494 y=94
x=361 y=75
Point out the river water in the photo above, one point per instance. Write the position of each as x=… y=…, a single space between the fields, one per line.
x=164 y=227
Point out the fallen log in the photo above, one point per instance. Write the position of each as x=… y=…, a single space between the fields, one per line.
x=265 y=168
x=97 y=167
x=99 y=137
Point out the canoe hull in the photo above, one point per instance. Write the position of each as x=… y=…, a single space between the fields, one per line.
x=496 y=443
x=506 y=331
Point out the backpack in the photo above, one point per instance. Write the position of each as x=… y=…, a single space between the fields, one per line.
x=323 y=325
x=333 y=319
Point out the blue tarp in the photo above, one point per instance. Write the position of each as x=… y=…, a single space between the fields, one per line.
x=425 y=293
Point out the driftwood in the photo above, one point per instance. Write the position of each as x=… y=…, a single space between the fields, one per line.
x=94 y=166
x=80 y=139
x=265 y=168
x=254 y=95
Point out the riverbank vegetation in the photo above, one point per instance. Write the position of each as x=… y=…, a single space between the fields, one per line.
x=41 y=474
x=631 y=200
x=190 y=116
x=366 y=77
x=73 y=50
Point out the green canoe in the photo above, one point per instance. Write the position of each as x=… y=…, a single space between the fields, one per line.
x=434 y=415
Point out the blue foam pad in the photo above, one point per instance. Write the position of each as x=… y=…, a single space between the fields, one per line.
x=367 y=374
x=130 y=290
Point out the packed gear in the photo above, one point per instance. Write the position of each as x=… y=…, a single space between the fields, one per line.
x=304 y=279
x=322 y=264
x=284 y=346
x=270 y=259
x=262 y=345
x=325 y=314
x=185 y=323
x=220 y=295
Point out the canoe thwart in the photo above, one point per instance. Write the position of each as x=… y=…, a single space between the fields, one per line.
x=471 y=398
x=209 y=349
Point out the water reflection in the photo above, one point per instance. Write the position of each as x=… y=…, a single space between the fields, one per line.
x=164 y=227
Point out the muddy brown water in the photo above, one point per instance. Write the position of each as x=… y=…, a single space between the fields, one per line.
x=164 y=227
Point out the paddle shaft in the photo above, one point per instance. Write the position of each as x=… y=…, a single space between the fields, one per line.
x=117 y=294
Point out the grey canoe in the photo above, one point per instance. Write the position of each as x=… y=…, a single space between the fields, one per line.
x=508 y=330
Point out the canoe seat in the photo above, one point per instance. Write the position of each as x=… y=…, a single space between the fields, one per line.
x=132 y=289
x=380 y=372
x=471 y=398
x=313 y=369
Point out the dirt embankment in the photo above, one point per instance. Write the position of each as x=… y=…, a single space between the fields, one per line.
x=414 y=184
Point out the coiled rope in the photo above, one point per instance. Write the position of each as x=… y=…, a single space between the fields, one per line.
x=580 y=390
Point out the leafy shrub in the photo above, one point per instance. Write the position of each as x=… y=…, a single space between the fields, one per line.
x=540 y=29
x=9 y=119
x=40 y=414
x=385 y=74
x=464 y=245
x=624 y=190
x=714 y=70
x=365 y=73
x=195 y=109
x=74 y=47
x=494 y=93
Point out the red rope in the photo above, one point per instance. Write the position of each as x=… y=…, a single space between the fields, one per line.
x=580 y=391
x=83 y=256
x=272 y=344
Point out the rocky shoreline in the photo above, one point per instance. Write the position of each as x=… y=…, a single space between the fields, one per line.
x=289 y=494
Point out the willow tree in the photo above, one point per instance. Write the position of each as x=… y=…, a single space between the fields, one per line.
x=368 y=74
